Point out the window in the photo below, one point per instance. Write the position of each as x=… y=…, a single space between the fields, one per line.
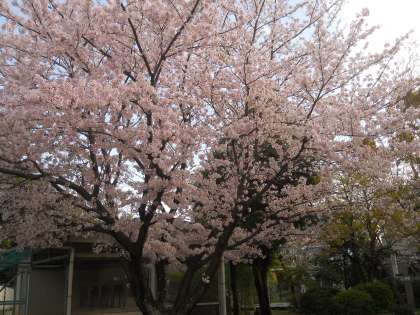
x=118 y=296
x=103 y=296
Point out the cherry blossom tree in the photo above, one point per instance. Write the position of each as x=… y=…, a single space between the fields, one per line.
x=374 y=208
x=161 y=125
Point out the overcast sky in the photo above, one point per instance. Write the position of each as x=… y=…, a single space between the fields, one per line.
x=396 y=18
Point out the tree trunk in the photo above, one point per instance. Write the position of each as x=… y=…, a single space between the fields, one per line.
x=260 y=271
x=150 y=305
x=346 y=276
x=188 y=295
x=234 y=289
x=141 y=291
x=139 y=298
x=183 y=292
x=295 y=296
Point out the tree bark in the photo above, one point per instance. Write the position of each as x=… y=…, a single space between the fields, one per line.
x=183 y=292
x=138 y=288
x=260 y=271
x=188 y=295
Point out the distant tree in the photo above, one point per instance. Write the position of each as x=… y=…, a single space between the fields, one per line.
x=371 y=220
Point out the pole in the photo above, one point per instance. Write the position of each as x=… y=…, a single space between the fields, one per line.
x=394 y=265
x=222 y=288
x=409 y=293
x=28 y=288
x=395 y=273
x=70 y=282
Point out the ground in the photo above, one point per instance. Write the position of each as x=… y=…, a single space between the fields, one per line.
x=287 y=312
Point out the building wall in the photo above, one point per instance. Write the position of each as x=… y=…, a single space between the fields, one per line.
x=47 y=292
x=6 y=294
x=101 y=288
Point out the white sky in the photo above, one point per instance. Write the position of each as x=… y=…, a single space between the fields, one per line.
x=396 y=18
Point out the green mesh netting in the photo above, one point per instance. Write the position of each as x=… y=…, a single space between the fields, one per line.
x=13 y=257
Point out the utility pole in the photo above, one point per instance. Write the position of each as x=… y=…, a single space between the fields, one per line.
x=221 y=281
x=70 y=282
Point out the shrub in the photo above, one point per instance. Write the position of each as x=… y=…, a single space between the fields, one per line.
x=317 y=301
x=416 y=289
x=382 y=294
x=353 y=302
x=403 y=310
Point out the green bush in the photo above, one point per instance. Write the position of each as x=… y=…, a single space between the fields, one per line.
x=403 y=310
x=416 y=288
x=382 y=294
x=317 y=301
x=353 y=302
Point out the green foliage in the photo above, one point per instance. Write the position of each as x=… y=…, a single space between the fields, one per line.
x=403 y=310
x=317 y=301
x=314 y=179
x=412 y=99
x=381 y=294
x=353 y=302
x=6 y=244
x=327 y=270
x=406 y=136
x=306 y=221
x=245 y=284
x=293 y=275
x=369 y=142
x=416 y=289
x=352 y=235
x=365 y=299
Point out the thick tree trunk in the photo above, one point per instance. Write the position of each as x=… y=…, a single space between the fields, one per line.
x=260 y=271
x=148 y=304
x=356 y=271
x=141 y=291
x=183 y=293
x=188 y=295
x=294 y=294
x=137 y=289
x=234 y=289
